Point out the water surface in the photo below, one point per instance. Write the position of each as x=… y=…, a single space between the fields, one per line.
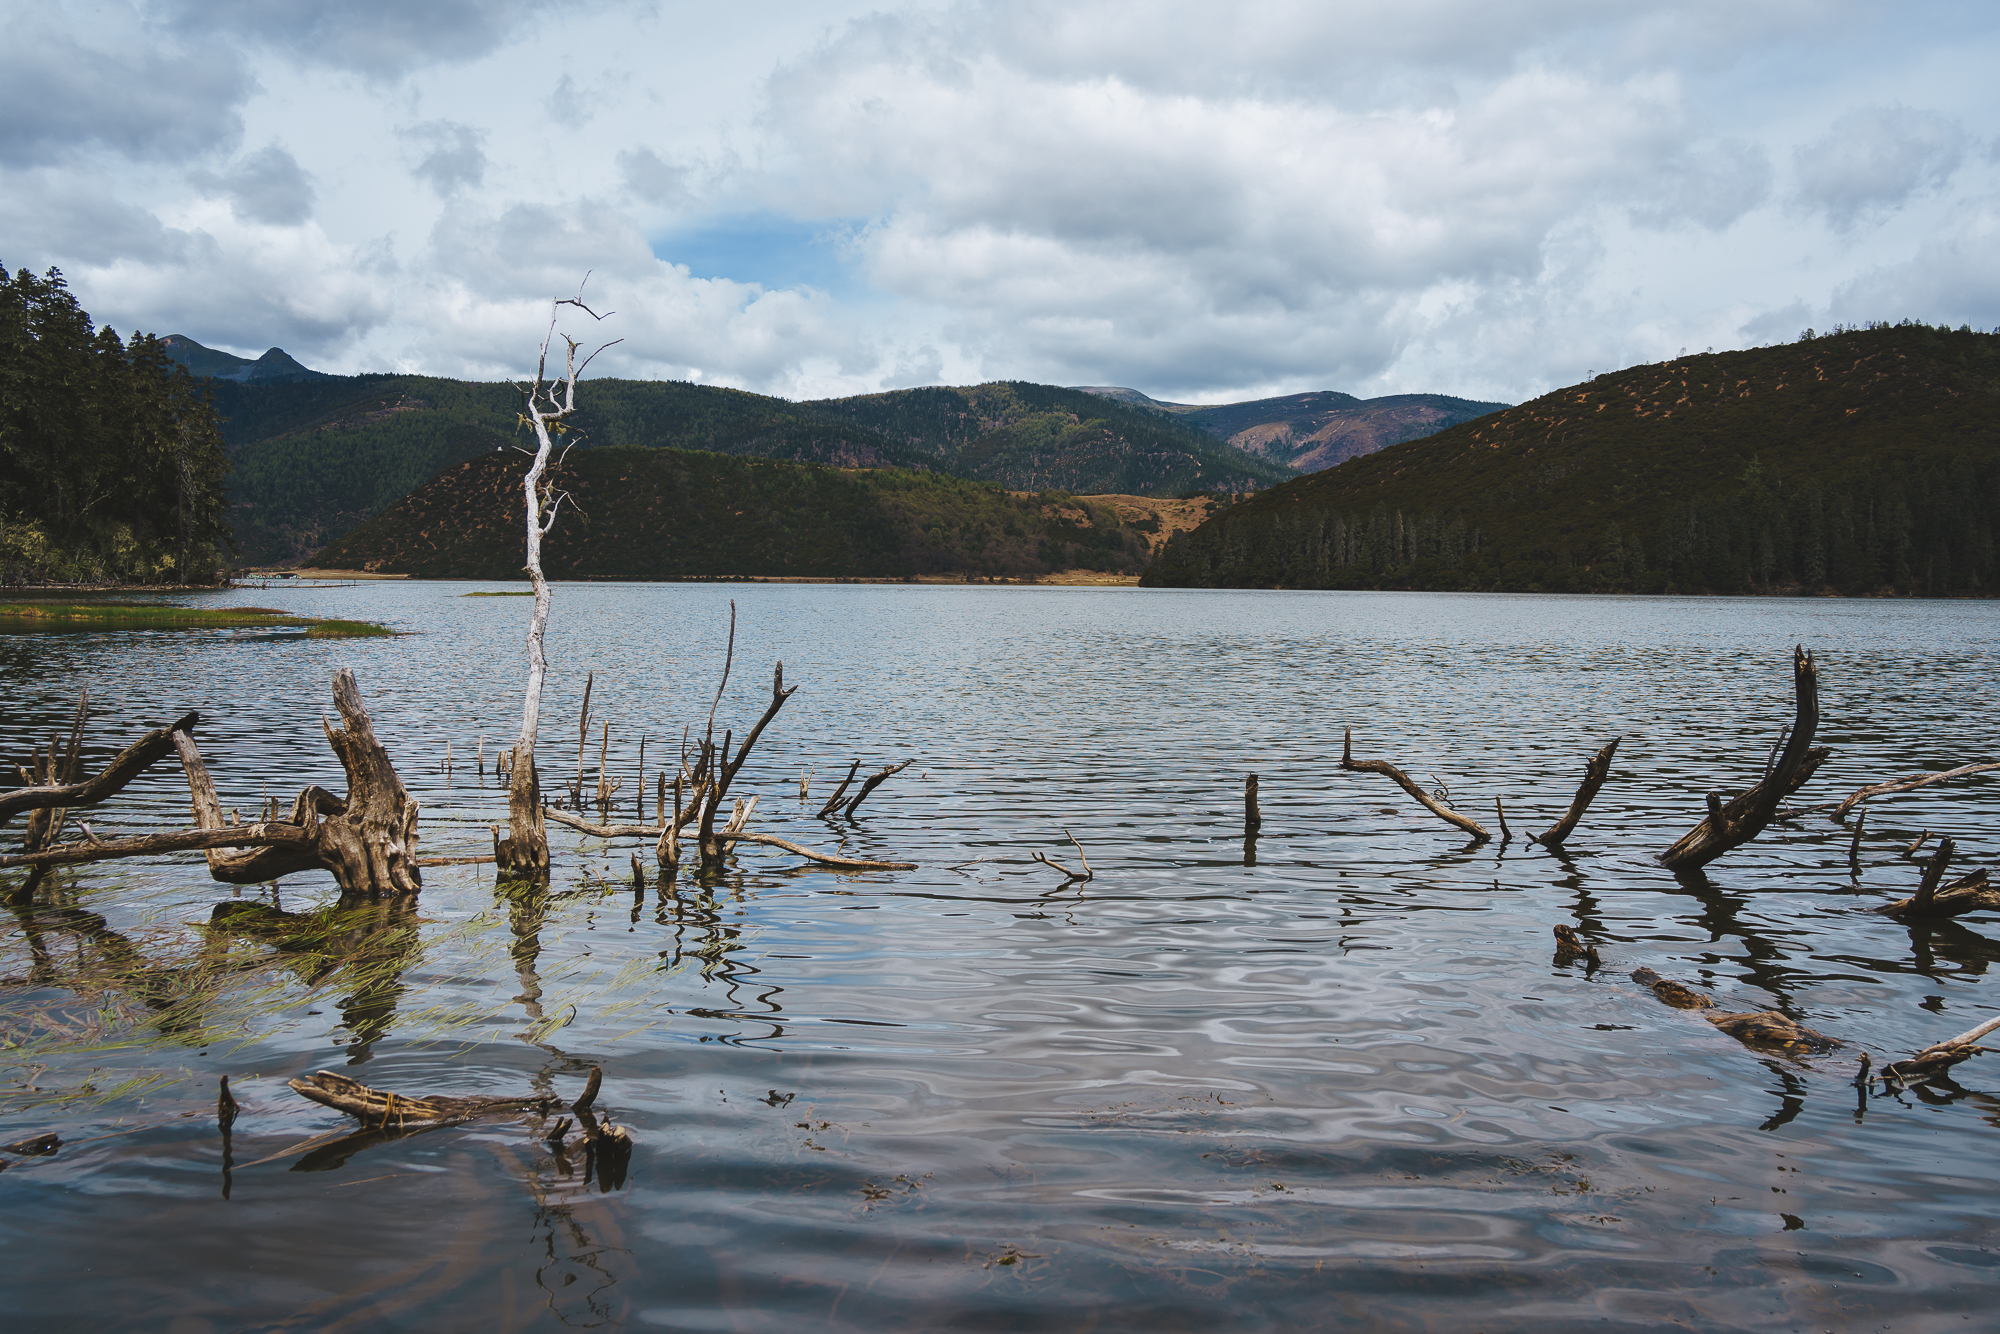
x=1344 y=1083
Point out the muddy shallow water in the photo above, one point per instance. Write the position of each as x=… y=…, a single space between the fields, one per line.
x=1347 y=1083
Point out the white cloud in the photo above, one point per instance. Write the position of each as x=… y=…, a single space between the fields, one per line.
x=1202 y=201
x=1873 y=159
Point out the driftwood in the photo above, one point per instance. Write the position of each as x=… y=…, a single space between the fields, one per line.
x=1253 y=819
x=727 y=768
x=1571 y=947
x=185 y=840
x=833 y=802
x=1909 y=784
x=1734 y=823
x=1854 y=846
x=1935 y=900
x=1594 y=775
x=1403 y=780
x=874 y=781
x=1934 y=1060
x=129 y=763
x=382 y=1108
x=1068 y=875
x=1769 y=1029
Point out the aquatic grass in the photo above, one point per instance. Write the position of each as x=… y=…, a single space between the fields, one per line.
x=161 y=616
x=520 y=593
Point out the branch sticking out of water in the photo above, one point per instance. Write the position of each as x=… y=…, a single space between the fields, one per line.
x=1404 y=781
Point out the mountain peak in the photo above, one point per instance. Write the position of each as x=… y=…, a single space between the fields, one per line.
x=275 y=365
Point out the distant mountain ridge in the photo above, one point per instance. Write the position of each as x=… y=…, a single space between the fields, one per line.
x=1862 y=462
x=274 y=367
x=1311 y=431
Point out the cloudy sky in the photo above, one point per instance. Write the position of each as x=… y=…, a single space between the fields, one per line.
x=1204 y=201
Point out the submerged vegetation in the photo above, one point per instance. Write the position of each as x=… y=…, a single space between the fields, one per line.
x=1864 y=461
x=111 y=461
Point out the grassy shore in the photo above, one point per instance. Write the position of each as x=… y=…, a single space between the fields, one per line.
x=19 y=616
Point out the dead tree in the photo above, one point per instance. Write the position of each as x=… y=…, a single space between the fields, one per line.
x=726 y=769
x=1733 y=823
x=546 y=406
x=1432 y=804
x=1594 y=775
x=128 y=764
x=366 y=840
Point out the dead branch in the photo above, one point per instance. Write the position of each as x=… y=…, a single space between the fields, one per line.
x=1911 y=783
x=1253 y=819
x=710 y=849
x=1854 y=845
x=874 y=781
x=129 y=763
x=1570 y=947
x=1732 y=824
x=1934 y=1060
x=269 y=835
x=1403 y=780
x=1935 y=900
x=729 y=835
x=1085 y=874
x=1594 y=775
x=833 y=802
x=380 y=1107
x=1768 y=1029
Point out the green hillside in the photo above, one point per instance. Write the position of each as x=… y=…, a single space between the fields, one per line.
x=1863 y=461
x=647 y=513
x=314 y=459
x=1029 y=437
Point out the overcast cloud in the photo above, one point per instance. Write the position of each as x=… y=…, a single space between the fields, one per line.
x=1203 y=202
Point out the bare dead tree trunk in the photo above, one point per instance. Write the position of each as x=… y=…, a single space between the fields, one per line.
x=128 y=764
x=1594 y=775
x=1732 y=824
x=712 y=848
x=524 y=853
x=1910 y=784
x=874 y=781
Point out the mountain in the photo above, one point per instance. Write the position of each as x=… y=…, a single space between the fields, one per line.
x=1308 y=432
x=313 y=459
x=1865 y=461
x=650 y=513
x=274 y=366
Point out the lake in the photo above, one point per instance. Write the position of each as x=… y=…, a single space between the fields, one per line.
x=1346 y=1084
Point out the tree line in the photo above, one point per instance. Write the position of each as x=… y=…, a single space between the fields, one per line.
x=111 y=458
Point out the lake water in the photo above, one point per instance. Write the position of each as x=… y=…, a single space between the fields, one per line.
x=1346 y=1085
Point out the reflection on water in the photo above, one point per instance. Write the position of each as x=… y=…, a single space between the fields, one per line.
x=1332 y=1073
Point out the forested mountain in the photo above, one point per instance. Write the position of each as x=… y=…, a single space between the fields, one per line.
x=1863 y=461
x=314 y=459
x=651 y=513
x=1308 y=432
x=111 y=465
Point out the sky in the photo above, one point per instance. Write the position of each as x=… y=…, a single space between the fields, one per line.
x=1206 y=202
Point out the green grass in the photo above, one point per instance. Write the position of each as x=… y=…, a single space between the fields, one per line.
x=19 y=616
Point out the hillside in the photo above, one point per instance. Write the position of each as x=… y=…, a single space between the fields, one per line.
x=314 y=459
x=1864 y=461
x=1309 y=432
x=648 y=513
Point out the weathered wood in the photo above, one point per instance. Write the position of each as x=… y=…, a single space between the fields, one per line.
x=1594 y=775
x=1935 y=900
x=711 y=850
x=380 y=1107
x=1403 y=780
x=1571 y=946
x=833 y=802
x=1911 y=783
x=1934 y=1060
x=1500 y=817
x=729 y=836
x=128 y=764
x=181 y=840
x=1672 y=993
x=259 y=863
x=1772 y=1029
x=591 y=1086
x=874 y=781
x=225 y=1107
x=1730 y=825
x=1854 y=845
x=1253 y=819
x=1085 y=874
